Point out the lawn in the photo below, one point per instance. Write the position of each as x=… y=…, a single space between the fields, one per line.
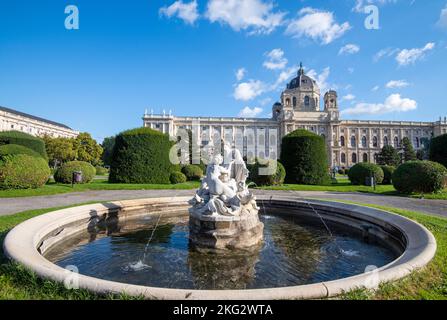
x=429 y=283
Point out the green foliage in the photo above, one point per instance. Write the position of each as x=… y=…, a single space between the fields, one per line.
x=192 y=172
x=420 y=176
x=141 y=156
x=358 y=173
x=8 y=149
x=65 y=173
x=22 y=171
x=87 y=149
x=304 y=157
x=107 y=146
x=101 y=171
x=275 y=179
x=409 y=153
x=388 y=157
x=438 y=150
x=388 y=174
x=177 y=177
x=23 y=139
x=59 y=150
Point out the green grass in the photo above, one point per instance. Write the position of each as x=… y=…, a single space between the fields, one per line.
x=56 y=188
x=429 y=283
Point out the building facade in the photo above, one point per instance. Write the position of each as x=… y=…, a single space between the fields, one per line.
x=348 y=141
x=12 y=120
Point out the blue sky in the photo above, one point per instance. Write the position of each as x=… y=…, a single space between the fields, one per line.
x=128 y=56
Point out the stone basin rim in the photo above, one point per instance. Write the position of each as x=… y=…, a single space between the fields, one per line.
x=22 y=243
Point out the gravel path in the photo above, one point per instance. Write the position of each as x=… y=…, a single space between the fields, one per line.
x=10 y=206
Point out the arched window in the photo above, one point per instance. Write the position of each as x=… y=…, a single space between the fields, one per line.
x=396 y=142
x=385 y=141
x=307 y=101
x=353 y=141
x=365 y=157
x=354 y=158
x=294 y=101
x=364 y=142
x=287 y=102
x=417 y=142
x=375 y=142
x=343 y=158
x=342 y=141
x=376 y=157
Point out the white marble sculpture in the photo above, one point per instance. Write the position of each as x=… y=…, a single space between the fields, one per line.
x=223 y=190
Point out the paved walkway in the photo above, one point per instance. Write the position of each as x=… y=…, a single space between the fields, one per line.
x=10 y=206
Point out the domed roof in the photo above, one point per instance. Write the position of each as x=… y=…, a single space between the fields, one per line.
x=302 y=81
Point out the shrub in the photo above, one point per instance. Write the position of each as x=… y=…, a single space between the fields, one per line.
x=420 y=177
x=22 y=171
x=275 y=179
x=177 y=177
x=101 y=171
x=304 y=157
x=9 y=149
x=388 y=174
x=23 y=139
x=341 y=171
x=192 y=172
x=358 y=173
x=141 y=156
x=438 y=150
x=65 y=173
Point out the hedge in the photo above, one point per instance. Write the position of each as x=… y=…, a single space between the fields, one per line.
x=101 y=171
x=192 y=172
x=275 y=179
x=438 y=150
x=141 y=156
x=388 y=174
x=361 y=171
x=22 y=171
x=304 y=157
x=65 y=173
x=420 y=177
x=24 y=139
x=9 y=149
x=177 y=177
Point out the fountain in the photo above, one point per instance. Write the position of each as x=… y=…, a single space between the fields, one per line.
x=224 y=213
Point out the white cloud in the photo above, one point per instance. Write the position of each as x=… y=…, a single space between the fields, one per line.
x=349 y=49
x=321 y=78
x=394 y=103
x=349 y=97
x=442 y=22
x=361 y=4
x=387 y=52
x=240 y=74
x=185 y=11
x=249 y=90
x=255 y=16
x=248 y=112
x=410 y=56
x=318 y=25
x=397 y=84
x=376 y=88
x=275 y=60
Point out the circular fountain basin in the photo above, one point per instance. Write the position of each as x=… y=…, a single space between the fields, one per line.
x=140 y=248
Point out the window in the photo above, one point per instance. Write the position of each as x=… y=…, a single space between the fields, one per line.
x=287 y=102
x=294 y=101
x=365 y=157
x=307 y=101
x=375 y=142
x=417 y=142
x=354 y=158
x=385 y=141
x=343 y=158
x=396 y=142
x=342 y=141
x=376 y=157
x=353 y=142
x=364 y=142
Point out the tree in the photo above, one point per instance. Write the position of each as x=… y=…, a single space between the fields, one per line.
x=388 y=157
x=59 y=150
x=409 y=153
x=87 y=149
x=107 y=146
x=438 y=149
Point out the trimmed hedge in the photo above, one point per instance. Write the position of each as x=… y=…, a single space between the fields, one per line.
x=388 y=174
x=22 y=171
x=192 y=172
x=275 y=179
x=9 y=149
x=24 y=139
x=177 y=177
x=438 y=149
x=65 y=173
x=304 y=157
x=420 y=177
x=358 y=173
x=101 y=171
x=141 y=156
